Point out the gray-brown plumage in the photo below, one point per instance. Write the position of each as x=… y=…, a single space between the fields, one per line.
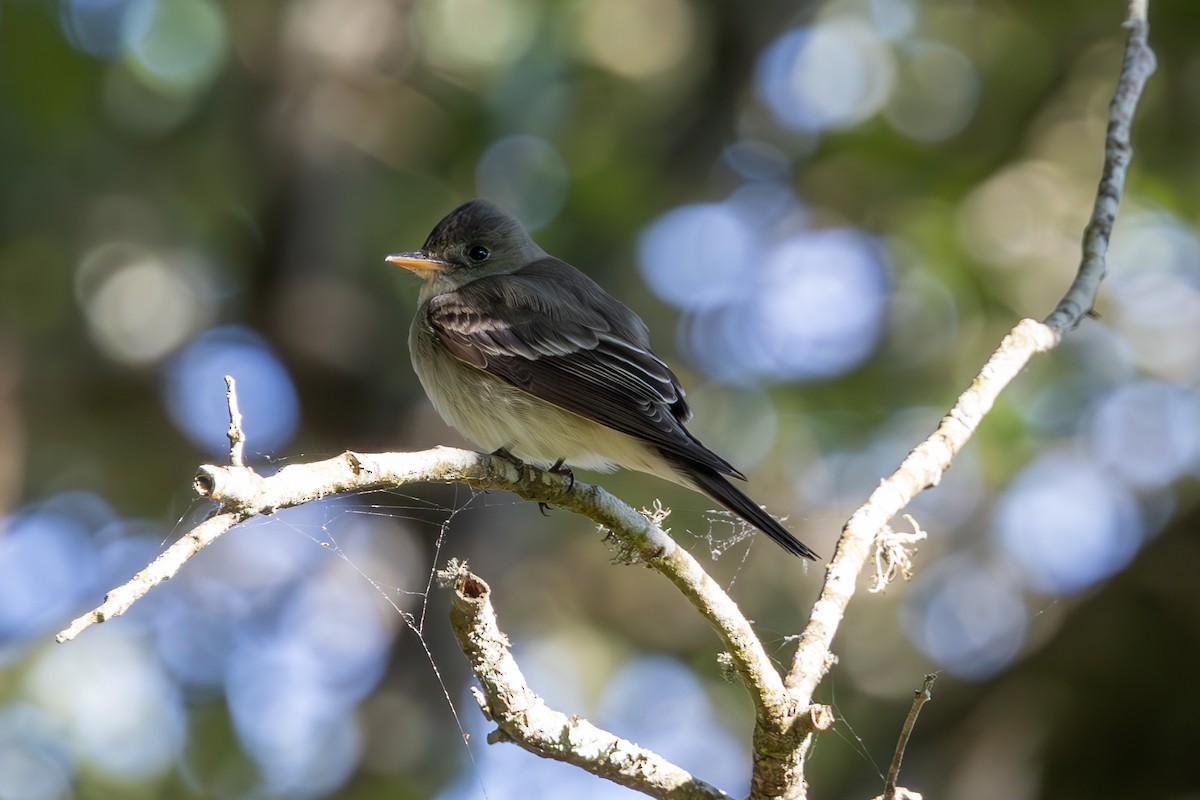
x=522 y=352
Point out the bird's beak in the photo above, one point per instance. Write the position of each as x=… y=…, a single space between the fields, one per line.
x=419 y=263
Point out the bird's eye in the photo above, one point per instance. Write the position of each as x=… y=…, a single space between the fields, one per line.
x=478 y=253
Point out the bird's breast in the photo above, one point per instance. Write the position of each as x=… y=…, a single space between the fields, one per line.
x=494 y=414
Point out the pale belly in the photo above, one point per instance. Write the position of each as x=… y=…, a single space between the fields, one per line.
x=494 y=414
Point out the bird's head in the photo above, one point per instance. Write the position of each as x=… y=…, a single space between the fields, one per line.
x=474 y=240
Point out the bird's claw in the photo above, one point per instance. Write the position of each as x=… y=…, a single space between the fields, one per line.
x=509 y=457
x=559 y=469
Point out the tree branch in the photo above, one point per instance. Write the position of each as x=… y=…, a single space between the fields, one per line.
x=118 y=601
x=244 y=493
x=785 y=716
x=523 y=717
x=1136 y=68
x=926 y=464
x=923 y=468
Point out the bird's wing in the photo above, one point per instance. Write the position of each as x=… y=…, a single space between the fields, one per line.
x=571 y=344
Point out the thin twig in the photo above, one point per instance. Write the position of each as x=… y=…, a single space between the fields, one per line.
x=237 y=437
x=118 y=601
x=920 y=698
x=1136 y=68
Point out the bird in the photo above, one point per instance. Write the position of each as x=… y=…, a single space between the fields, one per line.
x=531 y=359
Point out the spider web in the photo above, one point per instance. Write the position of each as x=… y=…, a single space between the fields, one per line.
x=328 y=522
x=394 y=504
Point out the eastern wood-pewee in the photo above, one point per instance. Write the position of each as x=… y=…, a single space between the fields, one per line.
x=527 y=356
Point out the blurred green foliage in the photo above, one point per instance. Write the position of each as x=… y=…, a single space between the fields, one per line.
x=271 y=153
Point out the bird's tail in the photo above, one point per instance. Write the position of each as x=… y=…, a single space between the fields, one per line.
x=713 y=484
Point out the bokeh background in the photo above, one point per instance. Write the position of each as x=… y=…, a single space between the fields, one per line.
x=828 y=212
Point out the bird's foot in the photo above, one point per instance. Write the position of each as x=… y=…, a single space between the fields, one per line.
x=559 y=469
x=509 y=457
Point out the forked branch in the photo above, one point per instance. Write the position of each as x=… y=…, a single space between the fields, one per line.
x=785 y=715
